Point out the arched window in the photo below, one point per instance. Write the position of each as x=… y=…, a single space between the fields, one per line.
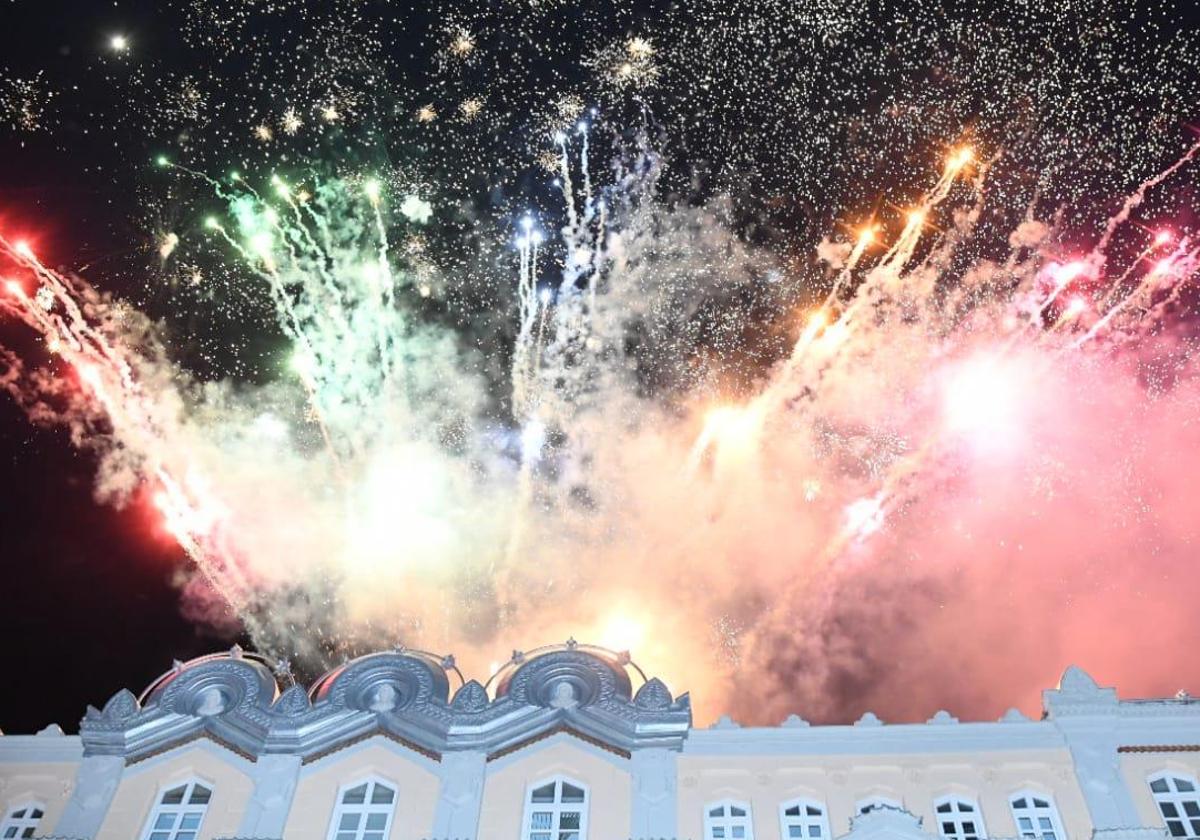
x=728 y=820
x=958 y=818
x=875 y=803
x=178 y=813
x=556 y=809
x=1178 y=802
x=21 y=822
x=363 y=811
x=803 y=818
x=1036 y=816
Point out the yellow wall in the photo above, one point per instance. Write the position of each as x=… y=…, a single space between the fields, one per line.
x=840 y=781
x=608 y=785
x=49 y=785
x=142 y=783
x=316 y=792
x=1137 y=767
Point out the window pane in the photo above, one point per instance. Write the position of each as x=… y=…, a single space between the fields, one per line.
x=717 y=812
x=165 y=820
x=948 y=829
x=346 y=835
x=1176 y=828
x=1184 y=785
x=382 y=795
x=543 y=794
x=349 y=821
x=11 y=831
x=200 y=795
x=814 y=830
x=795 y=831
x=376 y=822
x=570 y=793
x=1040 y=803
x=373 y=835
x=969 y=826
x=540 y=836
x=186 y=835
x=160 y=835
x=191 y=820
x=718 y=833
x=944 y=808
x=813 y=811
x=27 y=833
x=1195 y=828
x=568 y=819
x=1191 y=808
x=568 y=835
x=736 y=811
x=1168 y=809
x=794 y=811
x=541 y=819
x=1026 y=823
x=739 y=832
x=355 y=796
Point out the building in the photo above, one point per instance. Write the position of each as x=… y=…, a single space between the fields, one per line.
x=575 y=743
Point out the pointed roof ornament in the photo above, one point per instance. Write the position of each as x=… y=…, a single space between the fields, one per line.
x=176 y=665
x=726 y=722
x=941 y=718
x=1014 y=715
x=236 y=651
x=1182 y=696
x=571 y=643
x=868 y=719
x=448 y=663
x=794 y=722
x=400 y=647
x=1078 y=694
x=518 y=657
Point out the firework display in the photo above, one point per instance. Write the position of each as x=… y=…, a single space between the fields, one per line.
x=839 y=345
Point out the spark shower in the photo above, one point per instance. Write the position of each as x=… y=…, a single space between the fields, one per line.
x=967 y=422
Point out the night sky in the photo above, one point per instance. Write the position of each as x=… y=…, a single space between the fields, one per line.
x=780 y=120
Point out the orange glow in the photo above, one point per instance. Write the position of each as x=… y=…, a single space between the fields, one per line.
x=960 y=158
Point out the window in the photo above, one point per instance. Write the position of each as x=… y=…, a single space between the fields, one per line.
x=728 y=820
x=803 y=819
x=875 y=803
x=1036 y=817
x=556 y=809
x=1179 y=803
x=958 y=819
x=21 y=821
x=179 y=812
x=364 y=811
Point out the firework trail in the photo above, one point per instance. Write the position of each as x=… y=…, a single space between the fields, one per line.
x=379 y=481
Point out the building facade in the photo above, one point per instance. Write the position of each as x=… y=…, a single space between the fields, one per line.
x=575 y=743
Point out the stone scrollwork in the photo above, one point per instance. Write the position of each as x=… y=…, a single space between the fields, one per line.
x=216 y=688
x=567 y=679
x=386 y=682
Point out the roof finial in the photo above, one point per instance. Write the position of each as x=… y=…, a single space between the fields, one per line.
x=571 y=643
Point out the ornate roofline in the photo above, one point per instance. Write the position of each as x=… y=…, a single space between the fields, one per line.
x=234 y=700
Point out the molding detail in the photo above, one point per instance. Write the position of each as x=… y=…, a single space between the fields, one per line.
x=233 y=700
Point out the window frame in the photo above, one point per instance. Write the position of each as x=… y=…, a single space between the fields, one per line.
x=1177 y=798
x=1056 y=824
x=158 y=807
x=711 y=822
x=339 y=807
x=956 y=816
x=23 y=822
x=556 y=807
x=804 y=819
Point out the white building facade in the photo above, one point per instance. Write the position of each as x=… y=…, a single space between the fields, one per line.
x=575 y=743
